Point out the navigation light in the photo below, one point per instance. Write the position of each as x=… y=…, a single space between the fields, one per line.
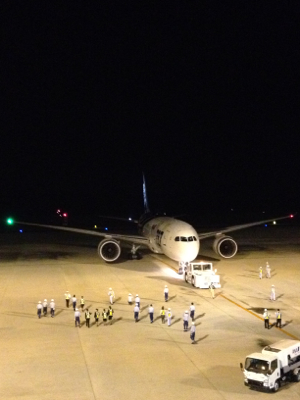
x=9 y=221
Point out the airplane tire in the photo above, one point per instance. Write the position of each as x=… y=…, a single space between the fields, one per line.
x=276 y=386
x=185 y=278
x=193 y=281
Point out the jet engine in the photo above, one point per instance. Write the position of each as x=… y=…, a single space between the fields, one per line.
x=109 y=250
x=225 y=246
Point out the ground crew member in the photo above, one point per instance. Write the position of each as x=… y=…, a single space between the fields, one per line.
x=87 y=315
x=110 y=313
x=166 y=292
x=192 y=311
x=212 y=290
x=260 y=272
x=193 y=332
x=111 y=294
x=52 y=308
x=104 y=316
x=137 y=300
x=163 y=314
x=273 y=294
x=74 y=301
x=266 y=319
x=77 y=318
x=39 y=309
x=82 y=301
x=169 y=316
x=97 y=316
x=136 y=311
x=151 y=313
x=130 y=299
x=45 y=306
x=185 y=320
x=67 y=296
x=278 y=318
x=268 y=270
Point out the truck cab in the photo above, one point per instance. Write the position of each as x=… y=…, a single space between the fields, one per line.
x=201 y=274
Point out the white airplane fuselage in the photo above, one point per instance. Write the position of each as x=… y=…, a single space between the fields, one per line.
x=176 y=239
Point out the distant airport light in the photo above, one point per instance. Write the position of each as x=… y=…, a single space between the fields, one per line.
x=9 y=221
x=106 y=229
x=266 y=225
x=65 y=214
x=274 y=222
x=95 y=226
x=129 y=219
x=291 y=216
x=21 y=230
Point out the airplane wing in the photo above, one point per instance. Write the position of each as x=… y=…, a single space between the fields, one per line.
x=125 y=238
x=239 y=227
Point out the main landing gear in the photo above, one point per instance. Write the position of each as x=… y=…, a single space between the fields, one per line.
x=134 y=253
x=182 y=267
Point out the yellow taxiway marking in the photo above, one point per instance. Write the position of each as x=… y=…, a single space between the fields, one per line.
x=231 y=301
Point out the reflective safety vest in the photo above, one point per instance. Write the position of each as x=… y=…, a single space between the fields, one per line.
x=104 y=315
x=82 y=301
x=169 y=315
x=266 y=316
x=110 y=312
x=278 y=315
x=97 y=315
x=68 y=296
x=87 y=315
x=162 y=312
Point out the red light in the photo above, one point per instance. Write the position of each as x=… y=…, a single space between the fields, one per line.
x=291 y=216
x=65 y=214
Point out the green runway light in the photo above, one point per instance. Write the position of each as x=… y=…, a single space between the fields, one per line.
x=9 y=221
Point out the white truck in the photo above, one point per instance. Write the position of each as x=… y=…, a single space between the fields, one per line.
x=275 y=365
x=201 y=274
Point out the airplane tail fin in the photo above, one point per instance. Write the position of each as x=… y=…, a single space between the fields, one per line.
x=146 y=206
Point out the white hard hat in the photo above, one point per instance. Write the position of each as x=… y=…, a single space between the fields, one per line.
x=110 y=288
x=136 y=295
x=193 y=323
x=67 y=291
x=39 y=302
x=52 y=300
x=76 y=309
x=45 y=299
x=265 y=309
x=129 y=294
x=186 y=311
x=169 y=309
x=166 y=285
x=273 y=285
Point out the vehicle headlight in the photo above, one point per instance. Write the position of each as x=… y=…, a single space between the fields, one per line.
x=266 y=382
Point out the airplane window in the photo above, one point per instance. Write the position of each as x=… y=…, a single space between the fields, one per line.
x=190 y=238
x=177 y=239
x=195 y=239
x=183 y=239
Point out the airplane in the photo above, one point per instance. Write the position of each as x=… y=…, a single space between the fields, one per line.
x=172 y=237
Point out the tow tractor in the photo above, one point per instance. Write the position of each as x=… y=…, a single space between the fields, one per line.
x=201 y=274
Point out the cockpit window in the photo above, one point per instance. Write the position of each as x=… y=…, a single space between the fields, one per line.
x=195 y=239
x=177 y=239
x=183 y=239
x=190 y=238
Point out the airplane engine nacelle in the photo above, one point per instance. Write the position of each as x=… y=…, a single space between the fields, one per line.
x=225 y=246
x=109 y=250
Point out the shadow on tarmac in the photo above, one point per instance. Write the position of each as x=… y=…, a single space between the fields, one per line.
x=200 y=339
x=199 y=316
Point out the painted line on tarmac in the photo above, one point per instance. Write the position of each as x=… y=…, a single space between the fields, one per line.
x=257 y=316
x=233 y=302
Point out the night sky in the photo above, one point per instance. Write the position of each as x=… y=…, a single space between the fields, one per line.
x=203 y=98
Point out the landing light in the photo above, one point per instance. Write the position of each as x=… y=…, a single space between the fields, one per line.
x=129 y=219
x=274 y=222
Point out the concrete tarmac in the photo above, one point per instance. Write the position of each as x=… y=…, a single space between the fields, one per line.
x=49 y=358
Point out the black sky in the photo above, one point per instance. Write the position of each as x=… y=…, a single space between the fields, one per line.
x=202 y=98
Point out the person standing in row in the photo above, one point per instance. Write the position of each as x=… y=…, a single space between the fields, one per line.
x=260 y=272
x=138 y=301
x=166 y=292
x=193 y=332
x=67 y=297
x=169 y=316
x=278 y=318
x=111 y=295
x=268 y=270
x=136 y=311
x=97 y=316
x=74 y=301
x=77 y=318
x=45 y=307
x=151 y=313
x=273 y=293
x=266 y=317
x=130 y=299
x=82 y=302
x=192 y=311
x=87 y=315
x=104 y=316
x=52 y=308
x=39 y=309
x=212 y=290
x=163 y=314
x=185 y=320
x=110 y=313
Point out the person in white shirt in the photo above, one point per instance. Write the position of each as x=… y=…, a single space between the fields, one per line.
x=166 y=292
x=77 y=318
x=151 y=313
x=192 y=311
x=39 y=309
x=52 y=308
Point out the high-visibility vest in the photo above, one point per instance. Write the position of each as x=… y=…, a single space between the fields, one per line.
x=110 y=312
x=88 y=315
x=162 y=312
x=104 y=315
x=169 y=315
x=97 y=314
x=279 y=316
x=82 y=301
